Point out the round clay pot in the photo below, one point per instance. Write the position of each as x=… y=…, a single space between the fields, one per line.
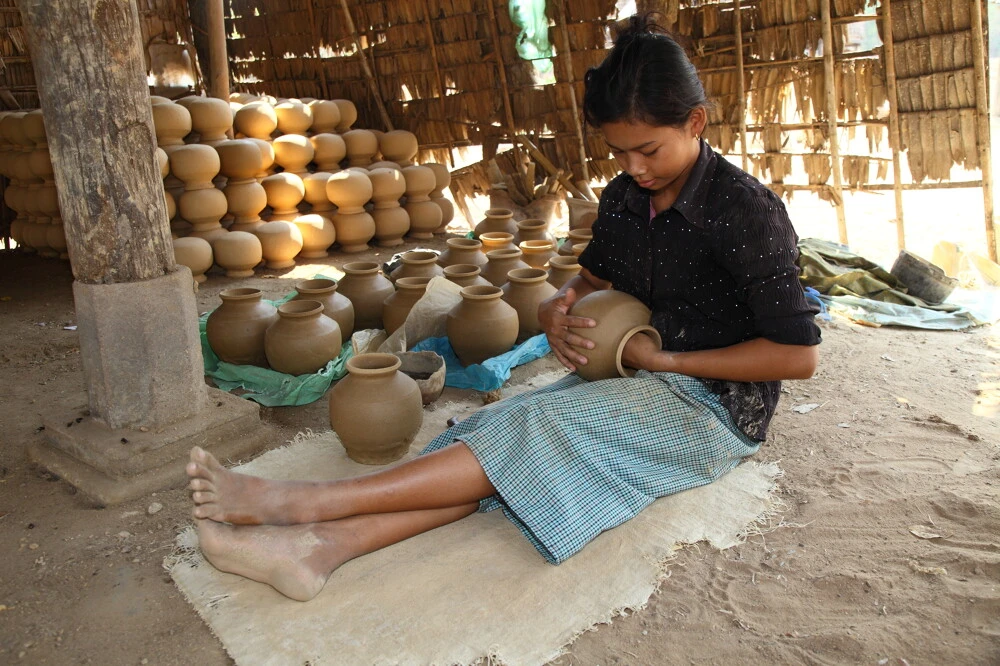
x=326 y=116
x=335 y=306
x=537 y=252
x=525 y=290
x=533 y=229
x=619 y=316
x=501 y=262
x=280 y=242
x=497 y=219
x=367 y=289
x=562 y=270
x=162 y=161
x=315 y=192
x=482 y=325
x=256 y=119
x=427 y=369
x=238 y=252
x=465 y=275
x=417 y=263
x=497 y=240
x=384 y=164
x=398 y=146
x=354 y=230
x=294 y=117
x=375 y=410
x=171 y=123
x=318 y=234
x=442 y=178
x=329 y=150
x=266 y=157
x=425 y=215
x=284 y=193
x=578 y=248
x=236 y=329
x=293 y=152
x=391 y=220
x=239 y=159
x=574 y=237
x=348 y=114
x=349 y=190
x=409 y=290
x=195 y=253
x=303 y=340
x=462 y=251
x=362 y=145
x=211 y=118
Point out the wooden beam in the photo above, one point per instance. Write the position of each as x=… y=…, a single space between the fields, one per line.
x=324 y=86
x=895 y=140
x=830 y=93
x=547 y=164
x=983 y=123
x=437 y=75
x=353 y=31
x=215 y=19
x=741 y=91
x=567 y=57
x=491 y=22
x=857 y=55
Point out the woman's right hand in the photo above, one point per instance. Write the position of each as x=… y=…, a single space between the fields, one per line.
x=553 y=314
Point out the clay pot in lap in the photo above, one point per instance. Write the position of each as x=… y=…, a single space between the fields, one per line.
x=303 y=340
x=619 y=316
x=236 y=329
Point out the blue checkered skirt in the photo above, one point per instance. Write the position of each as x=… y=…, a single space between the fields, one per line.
x=575 y=458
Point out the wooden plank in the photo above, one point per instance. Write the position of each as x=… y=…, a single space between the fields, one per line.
x=741 y=92
x=830 y=94
x=353 y=31
x=895 y=140
x=218 y=84
x=561 y=175
x=571 y=79
x=979 y=29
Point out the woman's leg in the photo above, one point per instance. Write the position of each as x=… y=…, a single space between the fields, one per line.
x=450 y=477
x=296 y=560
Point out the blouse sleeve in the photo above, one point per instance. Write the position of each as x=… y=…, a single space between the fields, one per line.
x=594 y=256
x=757 y=244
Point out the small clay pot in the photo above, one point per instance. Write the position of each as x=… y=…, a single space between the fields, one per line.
x=375 y=410
x=195 y=253
x=326 y=116
x=427 y=369
x=562 y=270
x=533 y=229
x=462 y=251
x=482 y=325
x=465 y=275
x=537 y=252
x=397 y=307
x=501 y=262
x=525 y=290
x=497 y=219
x=367 y=289
x=497 y=240
x=417 y=263
x=335 y=305
x=236 y=329
x=280 y=242
x=237 y=252
x=574 y=237
x=619 y=316
x=303 y=340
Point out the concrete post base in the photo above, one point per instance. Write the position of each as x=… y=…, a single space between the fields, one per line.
x=116 y=465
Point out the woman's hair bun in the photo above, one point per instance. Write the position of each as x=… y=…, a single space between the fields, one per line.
x=639 y=24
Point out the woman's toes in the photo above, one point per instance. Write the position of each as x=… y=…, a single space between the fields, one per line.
x=199 y=484
x=202 y=496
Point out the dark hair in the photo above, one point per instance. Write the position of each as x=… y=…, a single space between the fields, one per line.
x=647 y=76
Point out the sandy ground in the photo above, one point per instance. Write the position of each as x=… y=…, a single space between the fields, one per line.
x=887 y=550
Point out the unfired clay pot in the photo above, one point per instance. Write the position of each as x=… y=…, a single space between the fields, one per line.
x=391 y=220
x=211 y=118
x=462 y=251
x=201 y=203
x=294 y=117
x=256 y=119
x=537 y=252
x=501 y=262
x=497 y=240
x=326 y=116
x=280 y=242
x=409 y=290
x=497 y=219
x=562 y=270
x=329 y=150
x=336 y=306
x=619 y=316
x=318 y=234
x=348 y=114
x=236 y=329
x=482 y=325
x=417 y=263
x=427 y=369
x=442 y=179
x=350 y=190
x=238 y=252
x=573 y=237
x=367 y=289
x=578 y=248
x=362 y=145
x=293 y=152
x=284 y=193
x=525 y=290
x=398 y=146
x=195 y=253
x=425 y=215
x=533 y=229
x=315 y=185
x=375 y=410
x=241 y=161
x=303 y=340
x=465 y=275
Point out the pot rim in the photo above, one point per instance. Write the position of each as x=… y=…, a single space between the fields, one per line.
x=373 y=363
x=481 y=292
x=316 y=286
x=300 y=308
x=462 y=270
x=414 y=283
x=504 y=253
x=644 y=329
x=536 y=245
x=464 y=243
x=360 y=268
x=562 y=262
x=419 y=257
x=500 y=213
x=527 y=275
x=240 y=294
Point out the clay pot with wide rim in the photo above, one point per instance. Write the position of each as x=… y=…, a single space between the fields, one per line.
x=497 y=240
x=350 y=190
x=257 y=120
x=525 y=290
x=497 y=219
x=318 y=234
x=326 y=116
x=391 y=220
x=465 y=275
x=236 y=329
x=409 y=290
x=562 y=270
x=362 y=146
x=367 y=289
x=417 y=263
x=293 y=152
x=284 y=193
x=501 y=262
x=280 y=242
x=482 y=325
x=195 y=253
x=303 y=340
x=329 y=150
x=294 y=116
x=398 y=146
x=237 y=252
x=348 y=114
x=534 y=229
x=211 y=118
x=375 y=410
x=241 y=161
x=425 y=215
x=574 y=237
x=336 y=306
x=619 y=316
x=462 y=251
x=537 y=252
x=315 y=196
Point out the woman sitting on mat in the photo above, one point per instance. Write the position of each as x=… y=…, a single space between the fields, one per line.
x=708 y=248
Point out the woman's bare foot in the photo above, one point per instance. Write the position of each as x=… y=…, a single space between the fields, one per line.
x=295 y=560
x=225 y=496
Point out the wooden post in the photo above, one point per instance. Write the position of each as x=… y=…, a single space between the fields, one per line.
x=218 y=84
x=830 y=90
x=983 y=123
x=316 y=54
x=895 y=140
x=502 y=75
x=364 y=65
x=437 y=76
x=571 y=82
x=741 y=83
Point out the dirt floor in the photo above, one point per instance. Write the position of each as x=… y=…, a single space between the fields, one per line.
x=887 y=550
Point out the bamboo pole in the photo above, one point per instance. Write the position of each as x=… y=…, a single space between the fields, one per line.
x=571 y=81
x=437 y=76
x=547 y=164
x=315 y=34
x=365 y=66
x=218 y=85
x=886 y=187
x=857 y=55
x=894 y=136
x=501 y=72
x=983 y=123
x=830 y=92
x=741 y=90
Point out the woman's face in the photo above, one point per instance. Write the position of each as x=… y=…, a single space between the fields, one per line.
x=657 y=157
